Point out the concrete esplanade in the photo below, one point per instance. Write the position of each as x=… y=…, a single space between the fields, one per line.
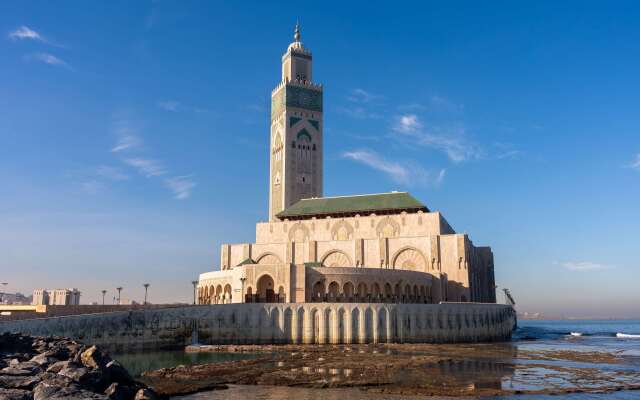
x=273 y=323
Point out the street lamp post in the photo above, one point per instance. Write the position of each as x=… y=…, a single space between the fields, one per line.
x=103 y=293
x=146 y=288
x=119 y=289
x=195 y=284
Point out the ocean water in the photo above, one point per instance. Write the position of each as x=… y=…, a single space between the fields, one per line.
x=621 y=336
x=512 y=368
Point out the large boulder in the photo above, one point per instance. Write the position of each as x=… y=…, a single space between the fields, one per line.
x=117 y=391
x=43 y=360
x=60 y=365
x=146 y=394
x=117 y=373
x=93 y=358
x=18 y=382
x=76 y=374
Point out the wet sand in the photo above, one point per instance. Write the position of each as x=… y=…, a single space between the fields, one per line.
x=410 y=369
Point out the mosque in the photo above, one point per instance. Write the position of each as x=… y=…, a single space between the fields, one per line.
x=370 y=248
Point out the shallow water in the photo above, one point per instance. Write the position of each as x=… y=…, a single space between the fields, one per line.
x=241 y=392
x=532 y=361
x=137 y=363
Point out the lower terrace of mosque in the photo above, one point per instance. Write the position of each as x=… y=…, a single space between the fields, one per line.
x=299 y=283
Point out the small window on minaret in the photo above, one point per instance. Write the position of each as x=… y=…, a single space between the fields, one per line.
x=293 y=144
x=314 y=147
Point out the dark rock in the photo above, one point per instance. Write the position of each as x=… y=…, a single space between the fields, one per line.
x=45 y=391
x=15 y=394
x=41 y=368
x=118 y=391
x=16 y=371
x=117 y=373
x=77 y=374
x=146 y=394
x=18 y=382
x=58 y=366
x=43 y=359
x=28 y=366
x=93 y=358
x=15 y=342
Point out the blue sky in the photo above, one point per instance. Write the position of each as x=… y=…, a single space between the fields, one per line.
x=134 y=135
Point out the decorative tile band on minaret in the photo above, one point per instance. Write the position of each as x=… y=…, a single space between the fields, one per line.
x=296 y=131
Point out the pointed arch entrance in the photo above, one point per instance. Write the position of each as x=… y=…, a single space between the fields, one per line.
x=265 y=289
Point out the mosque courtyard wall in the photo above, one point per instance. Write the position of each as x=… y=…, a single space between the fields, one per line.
x=263 y=323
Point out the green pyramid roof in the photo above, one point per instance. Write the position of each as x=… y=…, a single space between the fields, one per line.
x=360 y=204
x=248 y=261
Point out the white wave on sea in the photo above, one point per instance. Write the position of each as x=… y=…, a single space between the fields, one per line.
x=627 y=336
x=575 y=334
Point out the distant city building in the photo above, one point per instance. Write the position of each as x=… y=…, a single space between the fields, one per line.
x=14 y=298
x=56 y=297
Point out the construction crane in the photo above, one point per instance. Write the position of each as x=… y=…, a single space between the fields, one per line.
x=508 y=297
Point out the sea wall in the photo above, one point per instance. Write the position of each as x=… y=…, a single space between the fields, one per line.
x=280 y=323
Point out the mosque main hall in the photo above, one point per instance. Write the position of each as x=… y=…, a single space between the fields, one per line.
x=369 y=248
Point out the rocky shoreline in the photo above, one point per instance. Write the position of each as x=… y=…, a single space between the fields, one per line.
x=405 y=369
x=37 y=368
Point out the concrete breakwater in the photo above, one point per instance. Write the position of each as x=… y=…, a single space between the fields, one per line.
x=306 y=323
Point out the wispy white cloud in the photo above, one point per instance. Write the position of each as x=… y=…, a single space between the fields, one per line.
x=181 y=186
x=506 y=151
x=407 y=123
x=169 y=105
x=112 y=173
x=126 y=142
x=635 y=164
x=145 y=166
x=361 y=106
x=403 y=173
x=24 y=32
x=129 y=151
x=371 y=159
x=452 y=141
x=127 y=134
x=359 y=112
x=49 y=59
x=362 y=96
x=583 y=266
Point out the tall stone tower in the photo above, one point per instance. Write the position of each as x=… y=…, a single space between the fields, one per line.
x=296 y=132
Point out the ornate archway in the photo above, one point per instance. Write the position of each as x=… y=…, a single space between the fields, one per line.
x=336 y=258
x=298 y=233
x=268 y=258
x=410 y=258
x=264 y=289
x=388 y=228
x=342 y=230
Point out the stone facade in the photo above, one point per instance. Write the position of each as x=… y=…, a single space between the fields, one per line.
x=296 y=132
x=280 y=323
x=381 y=248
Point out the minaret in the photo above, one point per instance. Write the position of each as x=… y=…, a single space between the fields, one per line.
x=296 y=132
